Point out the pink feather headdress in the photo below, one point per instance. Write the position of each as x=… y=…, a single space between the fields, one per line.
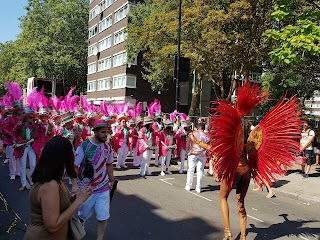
x=138 y=109
x=173 y=115
x=33 y=99
x=7 y=100
x=14 y=90
x=55 y=103
x=104 y=108
x=44 y=102
x=151 y=108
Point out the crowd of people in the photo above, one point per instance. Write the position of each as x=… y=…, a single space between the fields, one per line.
x=87 y=138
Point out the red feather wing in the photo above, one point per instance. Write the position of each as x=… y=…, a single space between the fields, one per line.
x=226 y=142
x=275 y=141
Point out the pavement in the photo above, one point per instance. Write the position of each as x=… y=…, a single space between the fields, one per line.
x=295 y=186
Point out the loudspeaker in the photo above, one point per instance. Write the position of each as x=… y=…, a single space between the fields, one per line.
x=184 y=93
x=184 y=69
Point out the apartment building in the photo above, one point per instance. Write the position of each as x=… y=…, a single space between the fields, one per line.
x=110 y=77
x=313 y=105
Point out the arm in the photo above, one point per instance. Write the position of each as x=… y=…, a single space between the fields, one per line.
x=49 y=198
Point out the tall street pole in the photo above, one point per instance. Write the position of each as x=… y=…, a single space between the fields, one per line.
x=178 y=57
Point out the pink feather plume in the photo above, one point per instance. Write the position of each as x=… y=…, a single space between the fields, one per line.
x=173 y=115
x=14 y=89
x=33 y=99
x=138 y=109
x=183 y=116
x=7 y=101
x=55 y=103
x=44 y=103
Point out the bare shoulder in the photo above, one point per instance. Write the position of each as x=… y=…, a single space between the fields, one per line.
x=48 y=187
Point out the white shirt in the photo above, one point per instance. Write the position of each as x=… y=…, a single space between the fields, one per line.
x=305 y=137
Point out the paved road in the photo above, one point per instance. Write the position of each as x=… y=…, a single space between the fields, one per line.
x=158 y=208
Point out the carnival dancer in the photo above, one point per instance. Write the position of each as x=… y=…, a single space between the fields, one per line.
x=181 y=140
x=158 y=126
x=24 y=136
x=131 y=140
x=55 y=104
x=166 y=138
x=44 y=131
x=196 y=156
x=79 y=126
x=263 y=152
x=134 y=135
x=10 y=121
x=13 y=102
x=121 y=141
x=94 y=163
x=146 y=143
x=68 y=130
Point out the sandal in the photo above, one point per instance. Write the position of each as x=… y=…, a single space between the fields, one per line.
x=227 y=234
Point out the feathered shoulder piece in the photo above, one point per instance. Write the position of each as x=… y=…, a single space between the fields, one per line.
x=275 y=141
x=14 y=90
x=249 y=96
x=226 y=140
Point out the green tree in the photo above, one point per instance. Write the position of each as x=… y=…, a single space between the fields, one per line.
x=223 y=39
x=53 y=43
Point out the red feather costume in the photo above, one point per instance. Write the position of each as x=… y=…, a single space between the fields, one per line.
x=271 y=142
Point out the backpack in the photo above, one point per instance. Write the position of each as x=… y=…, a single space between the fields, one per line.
x=87 y=171
x=315 y=141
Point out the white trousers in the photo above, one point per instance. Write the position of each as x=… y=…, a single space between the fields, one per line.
x=28 y=152
x=194 y=161
x=165 y=160
x=14 y=164
x=156 y=156
x=122 y=155
x=145 y=162
x=136 y=158
x=182 y=159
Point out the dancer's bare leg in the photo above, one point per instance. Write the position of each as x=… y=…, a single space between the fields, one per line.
x=224 y=193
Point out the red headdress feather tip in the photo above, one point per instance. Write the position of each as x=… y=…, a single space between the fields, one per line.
x=250 y=95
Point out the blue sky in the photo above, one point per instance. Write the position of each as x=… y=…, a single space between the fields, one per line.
x=10 y=11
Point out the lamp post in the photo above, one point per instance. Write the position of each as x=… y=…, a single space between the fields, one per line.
x=178 y=57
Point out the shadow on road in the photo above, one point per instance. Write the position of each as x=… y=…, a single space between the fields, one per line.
x=286 y=228
x=136 y=219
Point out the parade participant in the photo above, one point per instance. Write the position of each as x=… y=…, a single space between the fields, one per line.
x=196 y=156
x=181 y=140
x=50 y=205
x=306 y=148
x=23 y=138
x=147 y=143
x=68 y=130
x=166 y=138
x=121 y=141
x=88 y=126
x=158 y=126
x=96 y=154
x=131 y=140
x=233 y=161
x=135 y=140
x=55 y=104
x=44 y=131
x=9 y=123
x=79 y=126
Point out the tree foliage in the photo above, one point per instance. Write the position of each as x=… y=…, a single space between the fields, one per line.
x=52 y=44
x=223 y=39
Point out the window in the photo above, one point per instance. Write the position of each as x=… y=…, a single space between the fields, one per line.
x=104 y=84
x=104 y=43
x=105 y=4
x=92 y=50
x=94 y=12
x=122 y=81
x=119 y=59
x=121 y=13
x=91 y=86
x=92 y=68
x=119 y=36
x=93 y=31
x=104 y=64
x=105 y=23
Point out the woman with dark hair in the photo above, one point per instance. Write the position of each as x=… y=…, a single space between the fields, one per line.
x=50 y=205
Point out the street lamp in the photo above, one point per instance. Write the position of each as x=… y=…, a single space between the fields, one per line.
x=178 y=57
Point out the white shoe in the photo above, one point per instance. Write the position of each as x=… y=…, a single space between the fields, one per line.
x=13 y=177
x=124 y=166
x=168 y=172
x=118 y=167
x=188 y=188
x=198 y=190
x=6 y=160
x=148 y=173
x=162 y=173
x=181 y=171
